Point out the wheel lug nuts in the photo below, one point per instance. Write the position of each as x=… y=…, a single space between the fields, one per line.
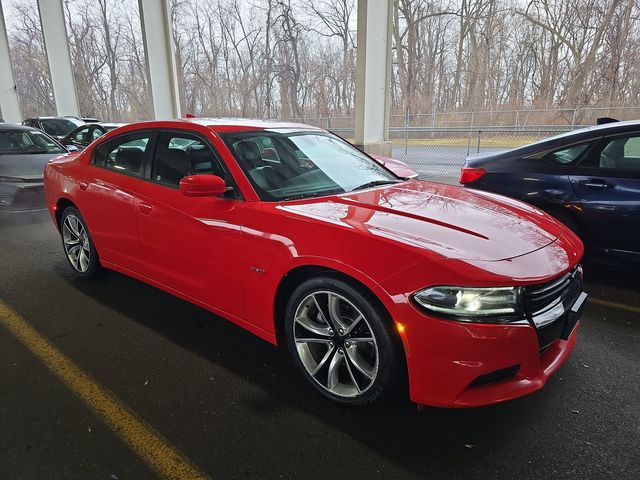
x=340 y=351
x=347 y=344
x=330 y=344
x=341 y=332
x=330 y=332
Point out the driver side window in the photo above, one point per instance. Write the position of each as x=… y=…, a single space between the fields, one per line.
x=179 y=155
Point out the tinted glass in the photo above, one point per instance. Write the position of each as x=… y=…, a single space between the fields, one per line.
x=82 y=135
x=180 y=155
x=126 y=154
x=59 y=126
x=302 y=164
x=26 y=142
x=96 y=133
x=621 y=154
x=567 y=155
x=100 y=154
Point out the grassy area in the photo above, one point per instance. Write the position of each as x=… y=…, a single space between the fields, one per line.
x=503 y=141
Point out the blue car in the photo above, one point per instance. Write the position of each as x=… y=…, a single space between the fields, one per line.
x=589 y=179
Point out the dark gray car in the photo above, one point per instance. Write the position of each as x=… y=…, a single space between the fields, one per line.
x=23 y=153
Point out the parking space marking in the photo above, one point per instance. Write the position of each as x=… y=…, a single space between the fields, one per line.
x=619 y=306
x=165 y=459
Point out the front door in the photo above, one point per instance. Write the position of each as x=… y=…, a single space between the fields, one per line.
x=190 y=244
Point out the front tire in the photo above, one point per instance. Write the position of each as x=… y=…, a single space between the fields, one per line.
x=342 y=341
x=78 y=245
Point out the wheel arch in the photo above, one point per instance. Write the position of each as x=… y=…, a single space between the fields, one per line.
x=366 y=286
x=61 y=205
x=296 y=275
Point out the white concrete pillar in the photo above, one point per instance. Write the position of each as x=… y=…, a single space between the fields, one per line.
x=54 y=32
x=158 y=44
x=9 y=106
x=373 y=75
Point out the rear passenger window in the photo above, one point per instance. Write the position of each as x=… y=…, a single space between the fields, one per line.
x=567 y=155
x=181 y=155
x=126 y=154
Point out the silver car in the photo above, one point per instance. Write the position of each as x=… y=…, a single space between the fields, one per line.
x=24 y=151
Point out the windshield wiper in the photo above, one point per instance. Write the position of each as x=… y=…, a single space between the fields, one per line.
x=376 y=183
x=310 y=195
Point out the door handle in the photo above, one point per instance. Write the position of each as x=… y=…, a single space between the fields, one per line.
x=595 y=183
x=83 y=185
x=145 y=208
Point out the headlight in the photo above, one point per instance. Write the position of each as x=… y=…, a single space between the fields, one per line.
x=470 y=303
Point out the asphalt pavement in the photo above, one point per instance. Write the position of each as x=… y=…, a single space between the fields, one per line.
x=236 y=408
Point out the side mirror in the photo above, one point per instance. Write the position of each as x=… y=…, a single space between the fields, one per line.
x=72 y=148
x=202 y=186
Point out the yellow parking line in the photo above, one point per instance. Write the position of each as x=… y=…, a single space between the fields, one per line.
x=147 y=443
x=619 y=306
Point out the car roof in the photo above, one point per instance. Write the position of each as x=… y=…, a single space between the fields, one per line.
x=215 y=125
x=48 y=117
x=247 y=123
x=16 y=126
x=605 y=127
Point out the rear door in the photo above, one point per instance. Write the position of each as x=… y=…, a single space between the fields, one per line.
x=107 y=196
x=190 y=244
x=607 y=184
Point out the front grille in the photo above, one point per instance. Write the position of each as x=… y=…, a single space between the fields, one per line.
x=539 y=298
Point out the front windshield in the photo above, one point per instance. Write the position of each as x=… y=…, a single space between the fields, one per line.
x=59 y=126
x=27 y=141
x=290 y=165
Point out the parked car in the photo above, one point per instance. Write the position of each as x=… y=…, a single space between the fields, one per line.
x=56 y=127
x=23 y=154
x=303 y=240
x=589 y=179
x=83 y=135
x=398 y=167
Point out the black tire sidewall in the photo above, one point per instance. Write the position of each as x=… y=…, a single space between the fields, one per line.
x=389 y=348
x=94 y=263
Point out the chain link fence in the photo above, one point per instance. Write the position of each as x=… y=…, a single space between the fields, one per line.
x=436 y=144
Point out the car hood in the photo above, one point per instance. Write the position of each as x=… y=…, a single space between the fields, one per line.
x=26 y=167
x=451 y=221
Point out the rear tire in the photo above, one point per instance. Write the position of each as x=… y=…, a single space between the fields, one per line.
x=78 y=245
x=342 y=342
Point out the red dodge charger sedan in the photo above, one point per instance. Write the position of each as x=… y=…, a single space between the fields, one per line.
x=373 y=282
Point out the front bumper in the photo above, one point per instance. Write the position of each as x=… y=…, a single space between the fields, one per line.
x=454 y=364
x=21 y=197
